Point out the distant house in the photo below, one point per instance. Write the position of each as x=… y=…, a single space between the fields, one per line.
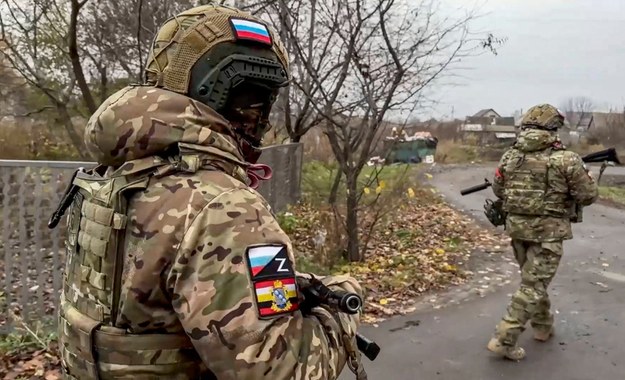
x=579 y=124
x=588 y=121
x=488 y=127
x=489 y=112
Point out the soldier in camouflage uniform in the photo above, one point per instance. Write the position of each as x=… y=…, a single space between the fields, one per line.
x=541 y=184
x=176 y=268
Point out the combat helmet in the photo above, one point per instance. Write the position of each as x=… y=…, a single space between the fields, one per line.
x=225 y=58
x=543 y=116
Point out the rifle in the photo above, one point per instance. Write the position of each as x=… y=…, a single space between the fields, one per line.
x=316 y=293
x=607 y=156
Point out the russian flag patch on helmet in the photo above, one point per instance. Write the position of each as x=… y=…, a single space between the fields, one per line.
x=250 y=30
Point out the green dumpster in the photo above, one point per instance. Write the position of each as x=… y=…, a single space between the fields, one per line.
x=415 y=151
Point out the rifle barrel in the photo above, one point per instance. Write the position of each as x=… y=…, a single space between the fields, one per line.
x=350 y=303
x=473 y=189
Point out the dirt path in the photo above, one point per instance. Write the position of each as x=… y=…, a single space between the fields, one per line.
x=448 y=343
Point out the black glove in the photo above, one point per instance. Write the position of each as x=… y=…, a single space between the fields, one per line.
x=494 y=212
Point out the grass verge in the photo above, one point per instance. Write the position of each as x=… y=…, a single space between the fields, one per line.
x=613 y=194
x=30 y=352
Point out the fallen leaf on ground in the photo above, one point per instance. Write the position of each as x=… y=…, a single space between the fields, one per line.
x=425 y=245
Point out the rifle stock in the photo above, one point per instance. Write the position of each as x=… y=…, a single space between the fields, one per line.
x=606 y=155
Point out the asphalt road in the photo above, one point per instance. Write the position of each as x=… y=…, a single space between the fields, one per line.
x=450 y=343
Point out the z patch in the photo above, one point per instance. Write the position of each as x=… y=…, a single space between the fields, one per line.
x=273 y=280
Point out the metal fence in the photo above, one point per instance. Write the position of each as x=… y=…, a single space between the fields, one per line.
x=31 y=255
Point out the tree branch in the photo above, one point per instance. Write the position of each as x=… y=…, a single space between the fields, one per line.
x=31 y=113
x=139 y=50
x=75 y=56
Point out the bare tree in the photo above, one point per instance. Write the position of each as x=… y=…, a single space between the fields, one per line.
x=121 y=39
x=12 y=94
x=610 y=130
x=75 y=57
x=578 y=111
x=75 y=52
x=37 y=34
x=296 y=21
x=360 y=61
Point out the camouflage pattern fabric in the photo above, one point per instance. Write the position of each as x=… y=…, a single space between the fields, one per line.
x=559 y=180
x=544 y=116
x=538 y=262
x=540 y=182
x=187 y=262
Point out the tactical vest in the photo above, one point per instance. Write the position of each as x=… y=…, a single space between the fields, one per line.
x=91 y=345
x=527 y=189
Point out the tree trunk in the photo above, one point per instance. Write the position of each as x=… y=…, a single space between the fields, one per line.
x=353 y=249
x=77 y=140
x=104 y=85
x=285 y=26
x=296 y=138
x=334 y=191
x=75 y=58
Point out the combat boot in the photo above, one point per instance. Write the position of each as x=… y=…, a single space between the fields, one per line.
x=543 y=335
x=515 y=353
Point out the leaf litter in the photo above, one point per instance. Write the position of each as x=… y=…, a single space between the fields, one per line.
x=424 y=246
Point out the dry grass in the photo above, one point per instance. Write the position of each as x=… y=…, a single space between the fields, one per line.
x=613 y=194
x=448 y=152
x=583 y=148
x=454 y=152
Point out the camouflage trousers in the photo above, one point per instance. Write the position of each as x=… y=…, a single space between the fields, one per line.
x=539 y=263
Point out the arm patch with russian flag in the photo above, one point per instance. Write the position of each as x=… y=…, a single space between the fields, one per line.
x=273 y=280
x=250 y=30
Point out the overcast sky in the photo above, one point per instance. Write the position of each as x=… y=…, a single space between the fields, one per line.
x=556 y=49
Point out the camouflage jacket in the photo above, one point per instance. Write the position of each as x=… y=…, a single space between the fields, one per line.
x=203 y=253
x=568 y=184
